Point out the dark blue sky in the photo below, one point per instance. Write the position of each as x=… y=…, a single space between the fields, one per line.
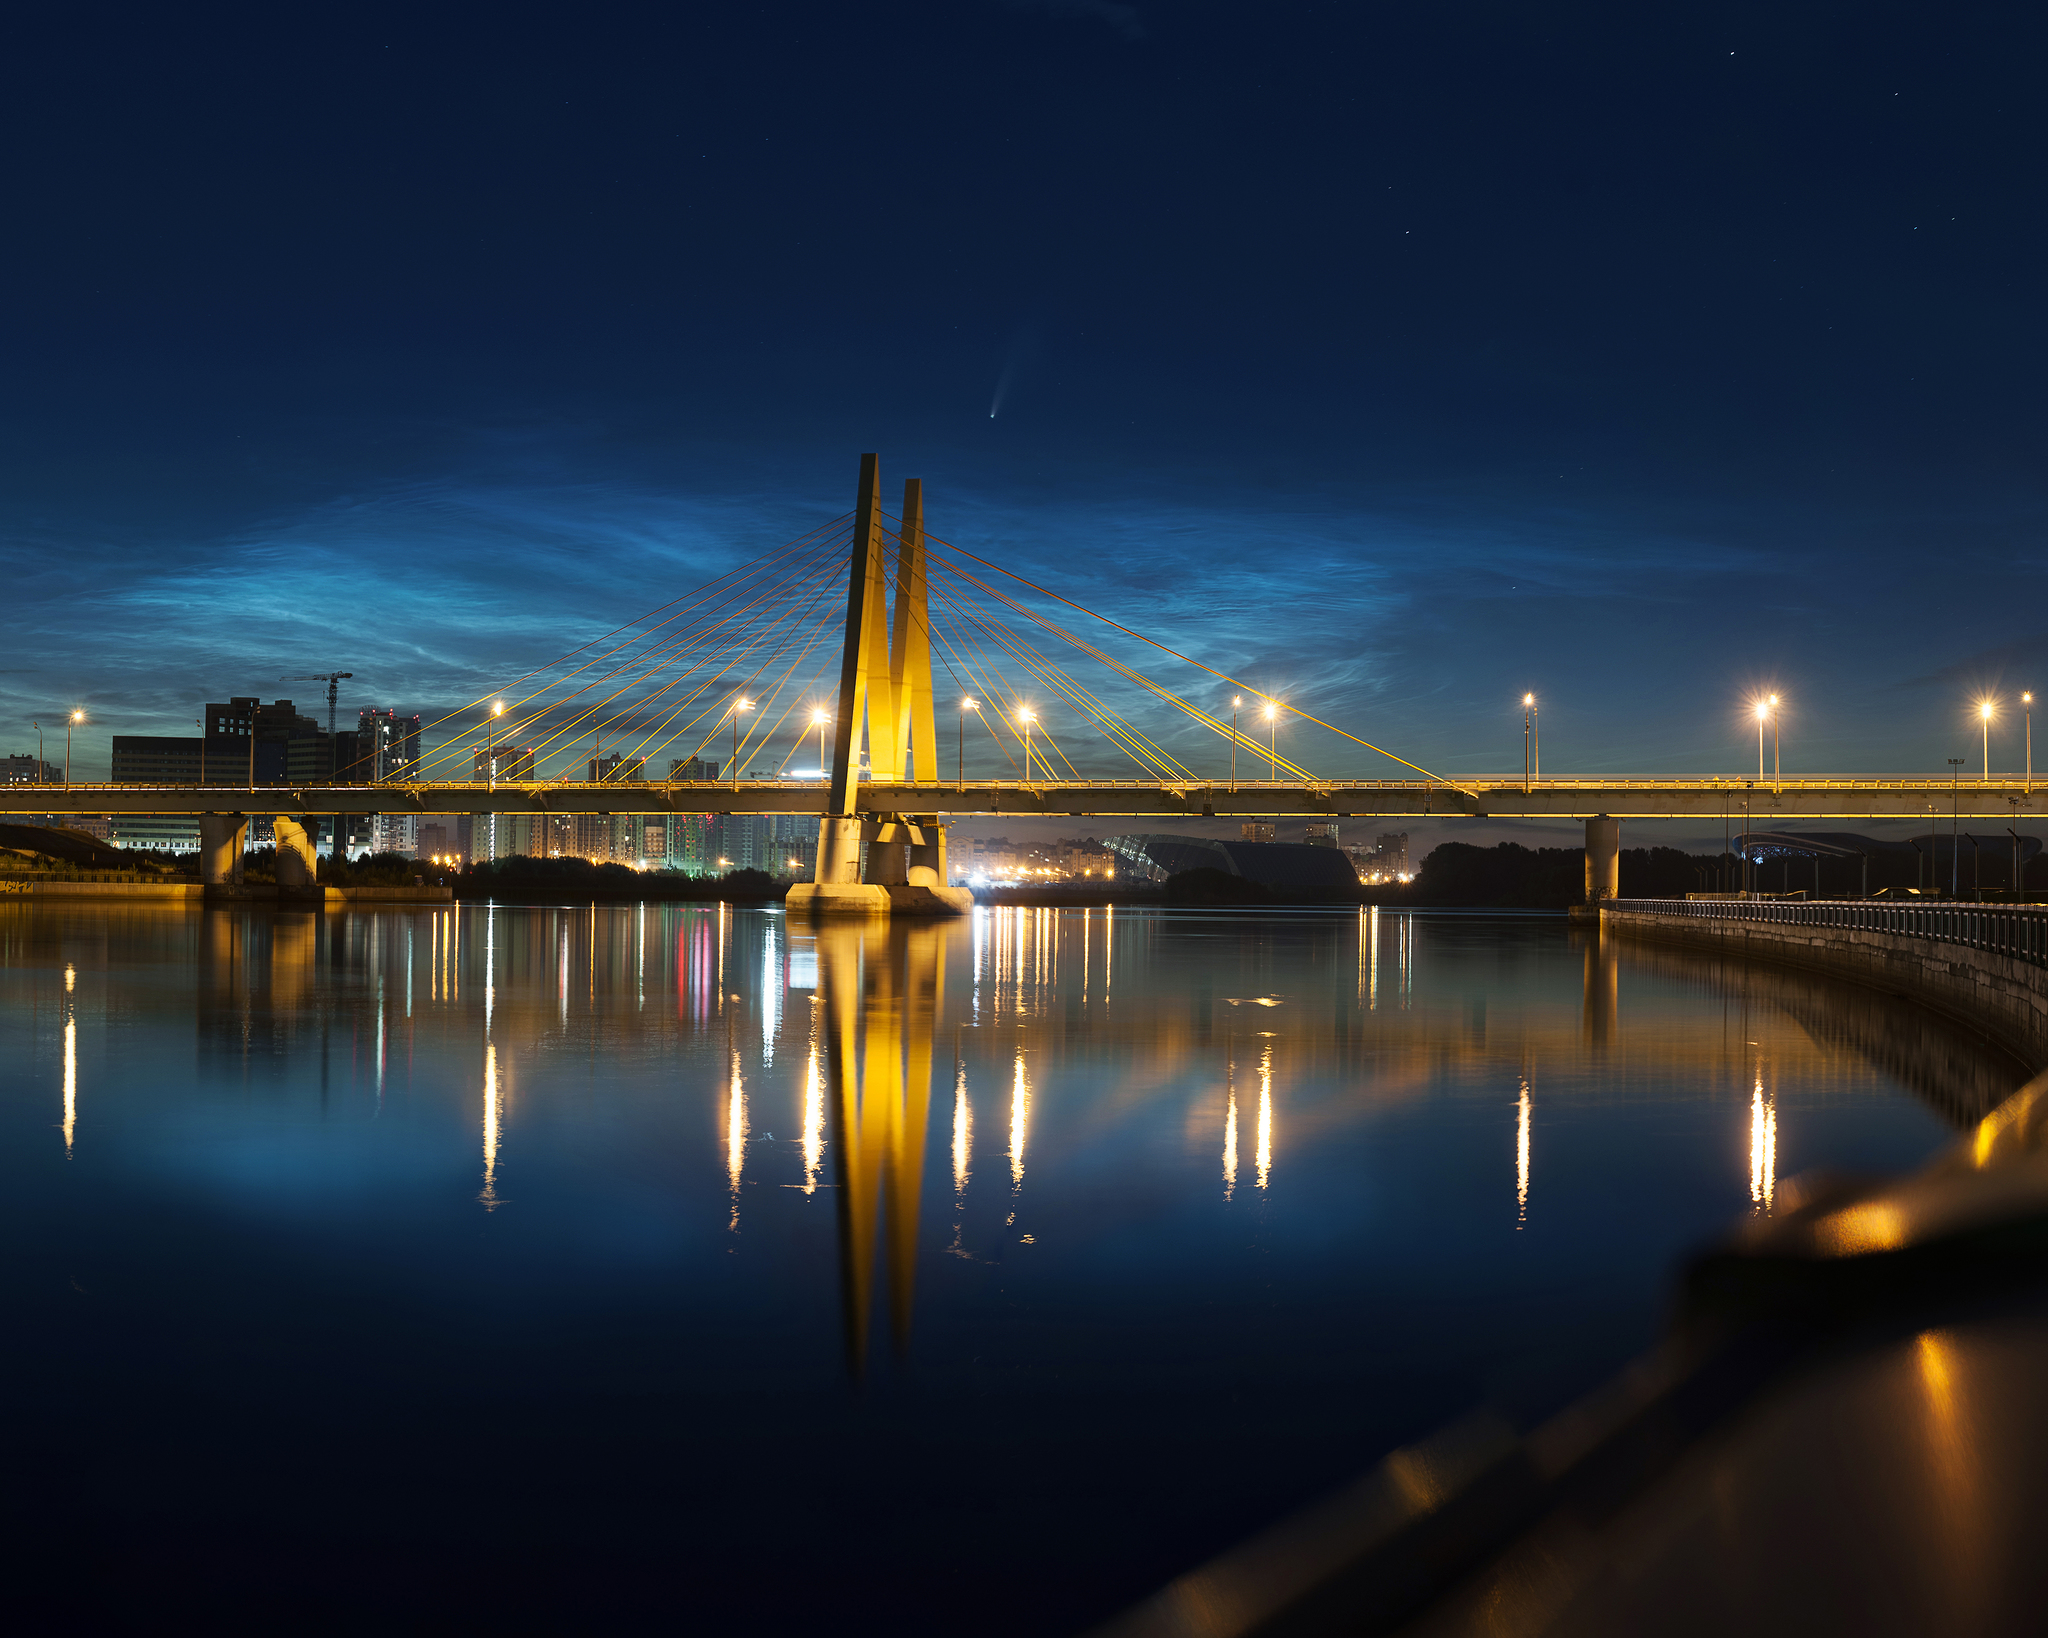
x=1394 y=358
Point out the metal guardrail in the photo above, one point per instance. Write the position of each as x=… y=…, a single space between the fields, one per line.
x=2017 y=931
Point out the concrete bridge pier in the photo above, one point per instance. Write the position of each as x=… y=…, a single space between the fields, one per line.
x=296 y=861
x=220 y=847
x=1603 y=859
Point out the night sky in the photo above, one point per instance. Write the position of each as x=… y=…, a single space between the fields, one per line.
x=1393 y=358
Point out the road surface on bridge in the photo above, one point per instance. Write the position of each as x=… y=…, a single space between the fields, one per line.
x=1751 y=801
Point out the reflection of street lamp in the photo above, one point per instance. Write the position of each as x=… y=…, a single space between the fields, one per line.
x=738 y=706
x=960 y=773
x=1027 y=718
x=1272 y=756
x=1984 y=713
x=820 y=716
x=70 y=722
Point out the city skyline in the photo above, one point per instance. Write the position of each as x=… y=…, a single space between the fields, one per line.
x=1474 y=402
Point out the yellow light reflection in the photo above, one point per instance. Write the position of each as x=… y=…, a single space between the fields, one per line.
x=489 y=1196
x=1522 y=1157
x=1020 y=1120
x=70 y=1081
x=1266 y=1116
x=1763 y=1147
x=1229 y=1134
x=814 y=1121
x=735 y=1139
x=963 y=1131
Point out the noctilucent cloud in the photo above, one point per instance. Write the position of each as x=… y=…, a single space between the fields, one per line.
x=1393 y=359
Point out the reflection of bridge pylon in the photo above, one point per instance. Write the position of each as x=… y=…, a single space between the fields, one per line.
x=883 y=992
x=885 y=694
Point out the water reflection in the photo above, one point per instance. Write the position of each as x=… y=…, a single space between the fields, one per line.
x=829 y=1033
x=1522 y=1111
x=70 y=1058
x=493 y=1112
x=1763 y=1148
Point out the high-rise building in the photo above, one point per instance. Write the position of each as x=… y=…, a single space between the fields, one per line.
x=28 y=770
x=387 y=747
x=287 y=747
x=1257 y=830
x=1322 y=834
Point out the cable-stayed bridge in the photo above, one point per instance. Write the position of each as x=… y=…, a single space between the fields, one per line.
x=808 y=689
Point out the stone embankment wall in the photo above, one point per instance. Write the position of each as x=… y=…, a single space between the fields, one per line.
x=2005 y=995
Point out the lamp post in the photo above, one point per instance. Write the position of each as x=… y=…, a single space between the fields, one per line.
x=1777 y=768
x=1272 y=755
x=490 y=753
x=1763 y=713
x=40 y=764
x=1027 y=717
x=1235 y=701
x=960 y=771
x=70 y=723
x=738 y=706
x=200 y=724
x=819 y=717
x=1984 y=710
x=1528 y=740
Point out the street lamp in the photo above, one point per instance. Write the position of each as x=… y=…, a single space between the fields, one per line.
x=490 y=752
x=1528 y=741
x=1763 y=713
x=1272 y=755
x=1985 y=709
x=70 y=723
x=960 y=772
x=41 y=779
x=1027 y=718
x=819 y=717
x=738 y=706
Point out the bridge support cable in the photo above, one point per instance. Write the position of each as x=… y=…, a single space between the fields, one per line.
x=666 y=654
x=749 y=640
x=934 y=540
x=1148 y=757
x=1139 y=678
x=750 y=568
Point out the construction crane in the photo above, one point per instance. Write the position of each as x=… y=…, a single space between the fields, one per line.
x=333 y=680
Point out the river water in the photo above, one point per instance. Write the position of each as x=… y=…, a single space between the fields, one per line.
x=578 y=1268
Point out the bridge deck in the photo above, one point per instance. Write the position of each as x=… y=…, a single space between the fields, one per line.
x=1748 y=801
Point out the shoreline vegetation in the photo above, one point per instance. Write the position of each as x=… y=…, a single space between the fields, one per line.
x=1452 y=875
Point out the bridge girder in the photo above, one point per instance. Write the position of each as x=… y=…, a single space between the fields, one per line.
x=1761 y=807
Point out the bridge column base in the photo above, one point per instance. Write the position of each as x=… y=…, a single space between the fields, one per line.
x=1603 y=859
x=220 y=847
x=296 y=866
x=906 y=872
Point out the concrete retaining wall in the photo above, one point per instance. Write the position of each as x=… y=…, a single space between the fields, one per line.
x=162 y=892
x=2003 y=995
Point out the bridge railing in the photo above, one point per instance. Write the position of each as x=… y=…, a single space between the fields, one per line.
x=2017 y=931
